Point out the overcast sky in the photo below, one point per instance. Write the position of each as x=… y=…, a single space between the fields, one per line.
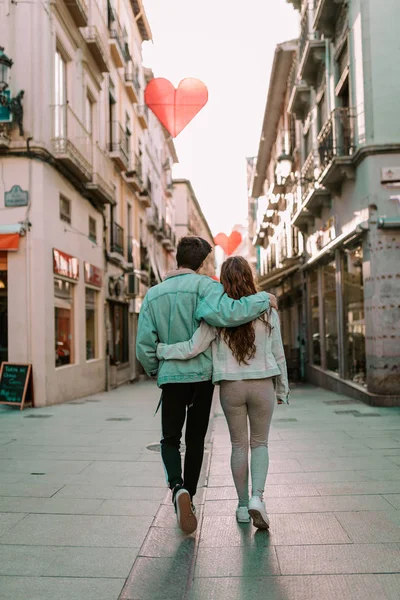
x=229 y=45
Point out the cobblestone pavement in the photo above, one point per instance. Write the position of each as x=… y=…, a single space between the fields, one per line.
x=84 y=512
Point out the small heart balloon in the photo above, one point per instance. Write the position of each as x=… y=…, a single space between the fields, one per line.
x=175 y=108
x=229 y=244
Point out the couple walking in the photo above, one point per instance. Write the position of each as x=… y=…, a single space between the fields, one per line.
x=194 y=333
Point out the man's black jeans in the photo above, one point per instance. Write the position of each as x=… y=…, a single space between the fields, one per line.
x=178 y=401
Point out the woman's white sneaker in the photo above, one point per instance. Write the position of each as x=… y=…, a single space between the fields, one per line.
x=242 y=515
x=258 y=513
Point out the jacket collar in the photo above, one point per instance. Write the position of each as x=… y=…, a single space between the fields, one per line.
x=177 y=272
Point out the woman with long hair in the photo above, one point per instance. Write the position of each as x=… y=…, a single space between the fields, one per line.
x=245 y=361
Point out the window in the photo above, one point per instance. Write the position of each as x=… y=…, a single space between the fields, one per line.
x=65 y=209
x=120 y=333
x=92 y=230
x=64 y=322
x=111 y=114
x=322 y=112
x=60 y=96
x=330 y=313
x=91 y=324
x=89 y=115
x=354 y=316
x=314 y=312
x=128 y=133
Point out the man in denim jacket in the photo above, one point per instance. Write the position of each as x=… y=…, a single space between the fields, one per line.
x=171 y=313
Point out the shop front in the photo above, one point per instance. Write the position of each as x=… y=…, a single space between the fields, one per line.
x=336 y=320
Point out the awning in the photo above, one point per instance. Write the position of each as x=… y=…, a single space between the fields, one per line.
x=9 y=237
x=276 y=276
x=341 y=240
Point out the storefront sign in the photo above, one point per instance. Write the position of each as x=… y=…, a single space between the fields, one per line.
x=16 y=197
x=390 y=174
x=65 y=265
x=93 y=275
x=16 y=386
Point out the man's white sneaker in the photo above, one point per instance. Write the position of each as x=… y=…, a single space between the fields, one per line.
x=242 y=515
x=258 y=513
x=184 y=511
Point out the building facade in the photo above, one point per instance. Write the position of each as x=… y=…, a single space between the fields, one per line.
x=328 y=169
x=79 y=176
x=189 y=220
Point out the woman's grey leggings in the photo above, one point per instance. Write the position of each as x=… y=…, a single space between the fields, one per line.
x=255 y=399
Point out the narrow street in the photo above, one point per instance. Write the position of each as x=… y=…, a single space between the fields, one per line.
x=85 y=513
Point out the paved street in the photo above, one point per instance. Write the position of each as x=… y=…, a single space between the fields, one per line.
x=84 y=512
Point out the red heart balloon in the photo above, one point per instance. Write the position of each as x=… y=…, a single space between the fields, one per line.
x=229 y=244
x=175 y=108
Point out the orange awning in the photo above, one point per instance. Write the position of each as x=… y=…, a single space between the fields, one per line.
x=9 y=241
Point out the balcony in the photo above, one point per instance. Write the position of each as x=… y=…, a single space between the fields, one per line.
x=326 y=14
x=119 y=146
x=102 y=186
x=79 y=12
x=311 y=47
x=145 y=194
x=132 y=83
x=314 y=196
x=152 y=219
x=118 y=46
x=134 y=176
x=143 y=116
x=168 y=239
x=70 y=142
x=96 y=36
x=336 y=146
x=117 y=239
x=300 y=99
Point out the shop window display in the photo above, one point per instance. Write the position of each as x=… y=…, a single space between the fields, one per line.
x=330 y=313
x=314 y=309
x=91 y=324
x=64 y=314
x=354 y=317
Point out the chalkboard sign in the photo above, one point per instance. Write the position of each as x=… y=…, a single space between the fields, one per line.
x=16 y=385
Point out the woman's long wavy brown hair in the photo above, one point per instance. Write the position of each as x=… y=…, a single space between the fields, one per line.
x=238 y=281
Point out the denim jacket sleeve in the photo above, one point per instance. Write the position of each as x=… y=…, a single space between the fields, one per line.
x=202 y=338
x=217 y=309
x=147 y=340
x=281 y=382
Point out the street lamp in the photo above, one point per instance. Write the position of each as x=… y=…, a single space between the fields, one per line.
x=5 y=64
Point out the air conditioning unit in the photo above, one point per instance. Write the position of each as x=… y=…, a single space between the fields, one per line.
x=132 y=283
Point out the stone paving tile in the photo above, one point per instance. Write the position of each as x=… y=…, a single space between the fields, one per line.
x=381 y=475
x=167 y=543
x=242 y=561
x=323 y=587
x=371 y=527
x=271 y=491
x=305 y=505
x=51 y=588
x=111 y=492
x=275 y=466
x=394 y=500
x=390 y=585
x=8 y=521
x=78 y=530
x=342 y=464
x=329 y=560
x=158 y=579
x=47 y=466
x=288 y=529
x=28 y=490
x=381 y=443
x=55 y=561
x=363 y=488
x=127 y=507
x=53 y=505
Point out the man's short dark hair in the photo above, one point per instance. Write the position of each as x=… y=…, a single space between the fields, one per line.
x=192 y=252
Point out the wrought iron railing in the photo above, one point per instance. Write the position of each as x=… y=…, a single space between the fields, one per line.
x=337 y=137
x=70 y=136
x=116 y=31
x=103 y=169
x=119 y=141
x=132 y=75
x=96 y=30
x=117 y=238
x=307 y=175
